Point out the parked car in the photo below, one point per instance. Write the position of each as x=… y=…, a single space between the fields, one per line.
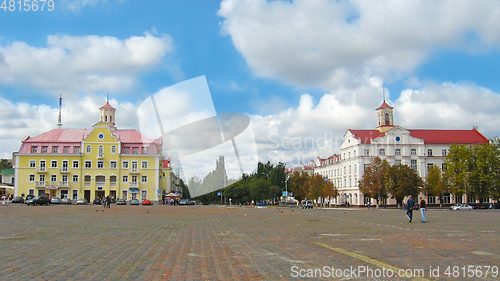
x=307 y=204
x=29 y=196
x=18 y=199
x=457 y=207
x=146 y=202
x=55 y=200
x=186 y=202
x=135 y=202
x=121 y=202
x=97 y=201
x=66 y=200
x=39 y=200
x=81 y=201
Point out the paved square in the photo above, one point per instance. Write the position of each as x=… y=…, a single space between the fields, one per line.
x=241 y=243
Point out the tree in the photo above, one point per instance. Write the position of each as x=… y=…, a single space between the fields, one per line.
x=403 y=181
x=298 y=184
x=434 y=184
x=374 y=180
x=318 y=187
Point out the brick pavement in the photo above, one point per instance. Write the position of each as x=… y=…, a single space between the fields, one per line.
x=218 y=243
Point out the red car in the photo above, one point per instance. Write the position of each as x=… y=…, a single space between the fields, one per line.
x=146 y=202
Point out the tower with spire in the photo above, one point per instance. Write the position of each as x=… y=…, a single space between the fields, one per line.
x=385 y=117
x=108 y=115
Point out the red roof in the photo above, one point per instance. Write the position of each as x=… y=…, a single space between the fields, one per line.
x=61 y=135
x=166 y=163
x=107 y=105
x=384 y=105
x=429 y=136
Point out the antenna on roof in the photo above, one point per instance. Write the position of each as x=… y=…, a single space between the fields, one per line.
x=383 y=92
x=107 y=97
x=59 y=124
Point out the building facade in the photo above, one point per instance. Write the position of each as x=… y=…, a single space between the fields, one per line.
x=91 y=163
x=417 y=148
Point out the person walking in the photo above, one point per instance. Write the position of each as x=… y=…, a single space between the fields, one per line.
x=108 y=202
x=422 y=209
x=409 y=208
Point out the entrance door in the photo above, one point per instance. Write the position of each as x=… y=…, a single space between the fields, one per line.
x=124 y=195
x=52 y=193
x=99 y=194
x=86 y=194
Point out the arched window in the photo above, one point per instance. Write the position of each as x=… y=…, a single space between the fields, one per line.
x=387 y=119
x=88 y=149
x=113 y=149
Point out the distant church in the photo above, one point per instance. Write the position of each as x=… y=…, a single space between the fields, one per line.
x=419 y=149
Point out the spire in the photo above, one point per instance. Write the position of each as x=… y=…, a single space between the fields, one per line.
x=59 y=124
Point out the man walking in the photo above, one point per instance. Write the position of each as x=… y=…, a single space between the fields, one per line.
x=422 y=209
x=409 y=208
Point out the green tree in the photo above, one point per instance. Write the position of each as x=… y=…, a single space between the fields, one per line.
x=298 y=184
x=373 y=183
x=403 y=181
x=434 y=184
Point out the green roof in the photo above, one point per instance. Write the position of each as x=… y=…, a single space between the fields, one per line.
x=9 y=171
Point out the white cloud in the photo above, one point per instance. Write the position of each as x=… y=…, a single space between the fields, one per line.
x=82 y=63
x=326 y=43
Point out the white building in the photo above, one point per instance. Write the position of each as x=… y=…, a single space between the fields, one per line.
x=417 y=148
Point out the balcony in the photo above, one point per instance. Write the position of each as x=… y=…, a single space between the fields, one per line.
x=41 y=170
x=100 y=155
x=63 y=184
x=133 y=184
x=64 y=170
x=134 y=170
x=87 y=183
x=40 y=184
x=112 y=184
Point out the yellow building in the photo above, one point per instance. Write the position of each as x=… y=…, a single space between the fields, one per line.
x=90 y=163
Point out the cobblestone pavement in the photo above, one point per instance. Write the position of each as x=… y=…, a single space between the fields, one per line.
x=242 y=243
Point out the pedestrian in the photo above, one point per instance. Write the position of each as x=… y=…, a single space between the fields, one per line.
x=409 y=208
x=103 y=201
x=108 y=202
x=422 y=209
x=3 y=200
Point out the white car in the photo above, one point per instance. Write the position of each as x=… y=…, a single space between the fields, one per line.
x=461 y=207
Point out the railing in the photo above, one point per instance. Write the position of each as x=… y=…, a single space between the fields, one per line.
x=112 y=184
x=41 y=169
x=63 y=184
x=100 y=155
x=87 y=183
x=40 y=184
x=64 y=170
x=133 y=184
x=134 y=170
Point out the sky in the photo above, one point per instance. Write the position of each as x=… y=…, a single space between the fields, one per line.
x=303 y=71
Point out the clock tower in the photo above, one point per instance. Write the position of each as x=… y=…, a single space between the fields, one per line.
x=108 y=115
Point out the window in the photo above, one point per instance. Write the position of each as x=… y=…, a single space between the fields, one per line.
x=444 y=167
x=77 y=149
x=133 y=178
x=113 y=149
x=88 y=164
x=32 y=178
x=429 y=152
x=144 y=194
x=75 y=194
x=53 y=164
x=75 y=178
x=88 y=149
x=66 y=149
x=397 y=162
x=125 y=164
x=32 y=163
x=413 y=164
x=381 y=152
x=397 y=151
x=100 y=164
x=125 y=179
x=42 y=164
x=413 y=151
x=354 y=153
x=75 y=163
x=126 y=150
x=134 y=165
x=445 y=199
x=53 y=178
x=44 y=149
x=367 y=152
x=349 y=155
x=135 y=150
x=55 y=149
x=34 y=149
x=144 y=164
x=443 y=152
x=100 y=151
x=144 y=179
x=64 y=178
x=112 y=164
x=144 y=150
x=429 y=166
x=431 y=199
x=41 y=177
x=365 y=166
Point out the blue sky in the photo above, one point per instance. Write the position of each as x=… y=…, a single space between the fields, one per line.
x=299 y=69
